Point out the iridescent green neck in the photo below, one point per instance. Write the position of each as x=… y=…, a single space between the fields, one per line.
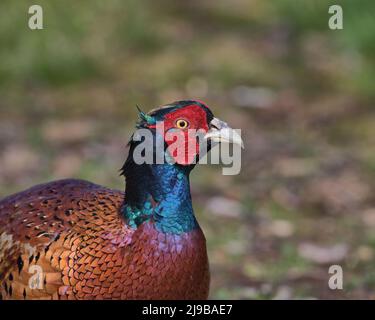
x=159 y=193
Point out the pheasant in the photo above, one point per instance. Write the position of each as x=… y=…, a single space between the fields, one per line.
x=72 y=239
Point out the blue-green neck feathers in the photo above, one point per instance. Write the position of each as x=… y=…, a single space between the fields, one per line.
x=160 y=193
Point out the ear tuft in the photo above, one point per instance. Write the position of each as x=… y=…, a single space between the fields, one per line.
x=144 y=118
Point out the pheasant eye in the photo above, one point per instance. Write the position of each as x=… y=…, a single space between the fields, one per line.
x=182 y=124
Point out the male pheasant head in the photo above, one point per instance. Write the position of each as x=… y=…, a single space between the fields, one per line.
x=186 y=130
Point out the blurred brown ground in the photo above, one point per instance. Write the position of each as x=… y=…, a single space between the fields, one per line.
x=302 y=94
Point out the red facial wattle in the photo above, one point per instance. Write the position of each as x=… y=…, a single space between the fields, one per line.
x=186 y=150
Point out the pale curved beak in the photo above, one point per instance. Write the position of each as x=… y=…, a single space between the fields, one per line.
x=221 y=132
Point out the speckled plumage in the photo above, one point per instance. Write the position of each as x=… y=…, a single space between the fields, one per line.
x=73 y=230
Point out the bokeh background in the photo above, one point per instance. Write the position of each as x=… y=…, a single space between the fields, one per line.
x=303 y=95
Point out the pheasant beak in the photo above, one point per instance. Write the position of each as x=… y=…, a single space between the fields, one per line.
x=221 y=132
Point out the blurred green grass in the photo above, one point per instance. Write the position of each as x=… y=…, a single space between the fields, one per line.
x=303 y=95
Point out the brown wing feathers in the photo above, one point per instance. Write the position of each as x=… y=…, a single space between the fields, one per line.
x=53 y=226
x=67 y=240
